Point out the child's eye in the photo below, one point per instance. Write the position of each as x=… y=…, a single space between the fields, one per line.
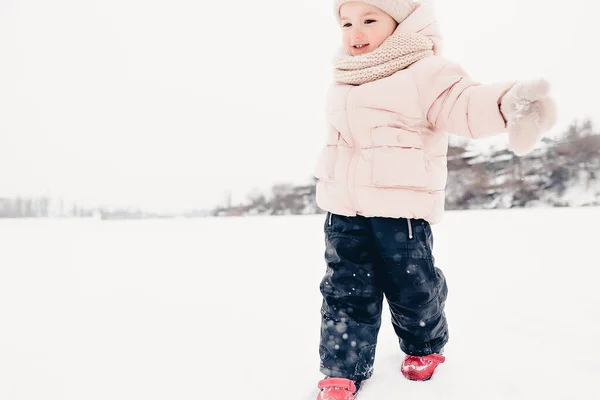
x=347 y=24
x=368 y=21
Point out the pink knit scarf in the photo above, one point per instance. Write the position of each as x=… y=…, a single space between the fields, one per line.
x=397 y=52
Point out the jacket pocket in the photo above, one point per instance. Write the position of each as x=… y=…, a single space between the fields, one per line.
x=388 y=136
x=398 y=158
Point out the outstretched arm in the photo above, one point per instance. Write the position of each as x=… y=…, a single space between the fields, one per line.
x=453 y=102
x=459 y=105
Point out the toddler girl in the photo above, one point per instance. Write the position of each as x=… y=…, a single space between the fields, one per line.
x=381 y=179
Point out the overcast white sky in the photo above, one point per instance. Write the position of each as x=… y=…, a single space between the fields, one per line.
x=169 y=103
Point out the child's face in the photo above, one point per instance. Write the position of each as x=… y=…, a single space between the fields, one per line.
x=364 y=27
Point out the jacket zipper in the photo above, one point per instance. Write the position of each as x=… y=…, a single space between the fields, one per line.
x=330 y=215
x=353 y=161
x=410 y=232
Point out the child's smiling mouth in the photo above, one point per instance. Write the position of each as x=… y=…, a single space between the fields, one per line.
x=360 y=48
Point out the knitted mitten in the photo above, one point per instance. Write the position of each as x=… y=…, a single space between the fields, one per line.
x=529 y=112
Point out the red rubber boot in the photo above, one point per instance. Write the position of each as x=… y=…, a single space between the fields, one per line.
x=420 y=368
x=337 y=389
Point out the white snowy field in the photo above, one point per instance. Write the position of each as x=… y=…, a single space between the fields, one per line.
x=228 y=308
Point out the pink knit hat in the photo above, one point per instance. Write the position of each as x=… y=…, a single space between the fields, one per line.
x=397 y=9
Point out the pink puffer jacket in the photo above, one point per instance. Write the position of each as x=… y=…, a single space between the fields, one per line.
x=387 y=140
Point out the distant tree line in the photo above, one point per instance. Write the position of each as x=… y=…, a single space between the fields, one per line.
x=46 y=207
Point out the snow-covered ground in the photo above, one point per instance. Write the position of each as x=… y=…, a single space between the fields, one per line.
x=228 y=308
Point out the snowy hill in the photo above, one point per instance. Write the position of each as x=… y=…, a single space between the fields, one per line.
x=228 y=308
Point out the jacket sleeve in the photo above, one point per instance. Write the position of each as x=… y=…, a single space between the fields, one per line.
x=453 y=102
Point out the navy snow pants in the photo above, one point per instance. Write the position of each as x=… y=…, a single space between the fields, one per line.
x=369 y=259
